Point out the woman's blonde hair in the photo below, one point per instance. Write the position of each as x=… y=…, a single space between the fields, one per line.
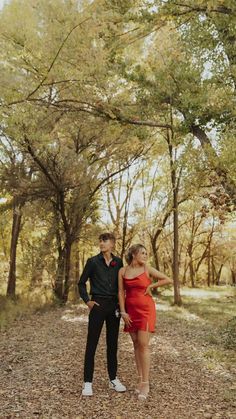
x=133 y=250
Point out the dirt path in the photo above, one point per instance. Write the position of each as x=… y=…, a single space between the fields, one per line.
x=42 y=367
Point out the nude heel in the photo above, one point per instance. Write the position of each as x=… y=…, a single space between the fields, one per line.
x=140 y=382
x=143 y=395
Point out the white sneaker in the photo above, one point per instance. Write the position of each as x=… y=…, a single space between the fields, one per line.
x=117 y=385
x=87 y=390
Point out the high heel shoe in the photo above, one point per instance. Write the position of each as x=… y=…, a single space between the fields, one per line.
x=143 y=394
x=137 y=390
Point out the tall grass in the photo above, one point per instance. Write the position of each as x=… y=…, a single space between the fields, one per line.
x=20 y=307
x=210 y=314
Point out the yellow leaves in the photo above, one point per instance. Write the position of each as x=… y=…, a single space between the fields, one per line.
x=215 y=4
x=219 y=99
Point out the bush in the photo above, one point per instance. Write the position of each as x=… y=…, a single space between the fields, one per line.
x=228 y=334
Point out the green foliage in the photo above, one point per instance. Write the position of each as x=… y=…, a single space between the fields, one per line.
x=228 y=334
x=78 y=83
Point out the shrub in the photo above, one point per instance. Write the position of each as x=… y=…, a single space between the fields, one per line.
x=228 y=334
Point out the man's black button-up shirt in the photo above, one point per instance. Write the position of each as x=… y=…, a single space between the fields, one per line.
x=103 y=278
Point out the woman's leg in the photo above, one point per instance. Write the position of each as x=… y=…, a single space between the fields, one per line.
x=143 y=338
x=134 y=337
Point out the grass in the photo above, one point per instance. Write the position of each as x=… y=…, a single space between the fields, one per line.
x=210 y=316
x=20 y=307
x=215 y=305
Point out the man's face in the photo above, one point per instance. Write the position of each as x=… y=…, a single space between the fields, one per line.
x=106 y=245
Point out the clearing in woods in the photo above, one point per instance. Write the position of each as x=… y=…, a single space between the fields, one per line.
x=42 y=367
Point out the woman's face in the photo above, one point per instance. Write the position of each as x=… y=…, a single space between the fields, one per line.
x=141 y=256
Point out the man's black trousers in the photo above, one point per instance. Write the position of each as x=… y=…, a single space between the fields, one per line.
x=107 y=311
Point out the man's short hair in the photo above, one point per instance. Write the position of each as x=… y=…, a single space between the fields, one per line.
x=107 y=236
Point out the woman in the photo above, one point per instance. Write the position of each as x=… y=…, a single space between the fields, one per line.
x=137 y=308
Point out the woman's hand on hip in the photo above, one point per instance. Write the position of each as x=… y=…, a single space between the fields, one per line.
x=148 y=290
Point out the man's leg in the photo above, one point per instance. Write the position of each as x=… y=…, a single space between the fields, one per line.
x=96 y=320
x=112 y=332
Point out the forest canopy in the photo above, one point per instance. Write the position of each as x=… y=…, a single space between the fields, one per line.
x=117 y=116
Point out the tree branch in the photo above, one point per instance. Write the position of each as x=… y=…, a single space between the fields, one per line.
x=56 y=56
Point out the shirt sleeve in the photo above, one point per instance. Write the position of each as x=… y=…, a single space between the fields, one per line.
x=120 y=263
x=83 y=279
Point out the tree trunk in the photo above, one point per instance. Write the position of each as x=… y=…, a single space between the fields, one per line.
x=209 y=267
x=62 y=282
x=155 y=254
x=16 y=225
x=233 y=276
x=177 y=297
x=213 y=271
x=186 y=265
x=191 y=271
x=67 y=271
x=156 y=261
x=60 y=274
x=175 y=188
x=123 y=242
x=191 y=267
x=77 y=272
x=219 y=274
x=39 y=263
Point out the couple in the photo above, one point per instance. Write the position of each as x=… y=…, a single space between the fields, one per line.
x=119 y=291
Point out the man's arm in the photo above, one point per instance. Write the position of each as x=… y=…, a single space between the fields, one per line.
x=83 y=279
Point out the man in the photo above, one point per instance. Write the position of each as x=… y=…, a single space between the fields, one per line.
x=102 y=272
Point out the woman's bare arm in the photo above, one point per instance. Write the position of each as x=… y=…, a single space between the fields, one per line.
x=162 y=279
x=121 y=296
x=121 y=292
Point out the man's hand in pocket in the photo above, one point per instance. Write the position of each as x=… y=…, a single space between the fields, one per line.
x=91 y=303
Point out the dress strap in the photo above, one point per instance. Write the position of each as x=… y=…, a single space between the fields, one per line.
x=146 y=270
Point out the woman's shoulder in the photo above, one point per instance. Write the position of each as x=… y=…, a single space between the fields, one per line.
x=123 y=269
x=149 y=269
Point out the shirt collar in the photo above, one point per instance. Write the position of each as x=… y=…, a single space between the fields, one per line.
x=100 y=255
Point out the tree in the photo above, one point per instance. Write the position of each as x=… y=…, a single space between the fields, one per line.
x=68 y=153
x=119 y=194
x=15 y=178
x=181 y=39
x=95 y=86
x=73 y=182
x=207 y=30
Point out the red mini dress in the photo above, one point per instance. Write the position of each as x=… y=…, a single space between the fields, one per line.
x=140 y=307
